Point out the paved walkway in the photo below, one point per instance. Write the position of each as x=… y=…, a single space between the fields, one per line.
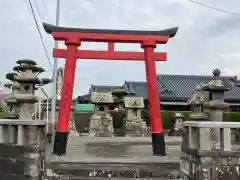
x=117 y=150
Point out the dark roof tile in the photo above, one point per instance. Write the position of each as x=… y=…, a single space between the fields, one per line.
x=173 y=87
x=183 y=86
x=96 y=88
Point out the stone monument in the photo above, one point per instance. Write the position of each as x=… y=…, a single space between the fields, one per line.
x=101 y=123
x=196 y=101
x=12 y=104
x=216 y=104
x=135 y=126
x=23 y=140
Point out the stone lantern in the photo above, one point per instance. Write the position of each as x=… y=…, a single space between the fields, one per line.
x=216 y=105
x=11 y=101
x=135 y=126
x=196 y=101
x=101 y=123
x=176 y=129
x=27 y=77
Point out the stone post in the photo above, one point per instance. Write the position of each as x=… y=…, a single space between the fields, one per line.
x=196 y=102
x=216 y=104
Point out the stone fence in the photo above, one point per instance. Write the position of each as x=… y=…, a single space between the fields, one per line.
x=209 y=153
x=22 y=144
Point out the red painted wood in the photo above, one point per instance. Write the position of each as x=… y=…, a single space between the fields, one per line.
x=110 y=46
x=67 y=89
x=152 y=85
x=72 y=40
x=106 y=55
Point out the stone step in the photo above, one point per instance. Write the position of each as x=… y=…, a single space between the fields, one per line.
x=115 y=170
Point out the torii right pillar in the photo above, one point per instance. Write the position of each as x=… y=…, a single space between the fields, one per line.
x=157 y=130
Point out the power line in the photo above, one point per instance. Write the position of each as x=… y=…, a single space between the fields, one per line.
x=214 y=8
x=45 y=7
x=38 y=11
x=40 y=34
x=28 y=6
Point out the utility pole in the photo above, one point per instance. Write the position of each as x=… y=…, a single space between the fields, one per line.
x=54 y=83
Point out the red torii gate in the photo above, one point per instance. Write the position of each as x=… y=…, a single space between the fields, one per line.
x=73 y=38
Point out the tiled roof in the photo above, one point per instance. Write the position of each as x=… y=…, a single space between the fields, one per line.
x=182 y=86
x=173 y=87
x=140 y=88
x=96 y=88
x=83 y=98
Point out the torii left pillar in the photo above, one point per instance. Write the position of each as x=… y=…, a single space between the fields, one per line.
x=73 y=38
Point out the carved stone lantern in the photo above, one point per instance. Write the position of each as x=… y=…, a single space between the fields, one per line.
x=216 y=105
x=196 y=101
x=176 y=129
x=27 y=77
x=11 y=101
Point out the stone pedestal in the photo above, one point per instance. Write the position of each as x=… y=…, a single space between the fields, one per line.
x=135 y=126
x=101 y=123
x=22 y=145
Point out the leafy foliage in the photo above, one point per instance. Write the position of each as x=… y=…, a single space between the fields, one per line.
x=119 y=121
x=23 y=68
x=119 y=93
x=45 y=81
x=10 y=76
x=167 y=117
x=26 y=62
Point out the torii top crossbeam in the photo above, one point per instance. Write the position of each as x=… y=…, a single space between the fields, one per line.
x=73 y=38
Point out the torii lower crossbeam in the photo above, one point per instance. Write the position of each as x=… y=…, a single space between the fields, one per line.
x=73 y=38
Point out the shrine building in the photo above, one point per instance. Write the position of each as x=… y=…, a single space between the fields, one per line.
x=174 y=90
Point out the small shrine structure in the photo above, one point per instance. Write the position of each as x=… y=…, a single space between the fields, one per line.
x=101 y=123
x=135 y=126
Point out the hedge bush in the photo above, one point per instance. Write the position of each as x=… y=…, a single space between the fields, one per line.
x=167 y=117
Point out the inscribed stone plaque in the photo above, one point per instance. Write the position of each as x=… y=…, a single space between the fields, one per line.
x=133 y=102
x=101 y=97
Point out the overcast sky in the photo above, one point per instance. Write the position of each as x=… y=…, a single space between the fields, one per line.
x=206 y=39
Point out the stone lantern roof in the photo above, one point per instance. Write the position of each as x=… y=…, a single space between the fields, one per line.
x=28 y=72
x=197 y=97
x=217 y=84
